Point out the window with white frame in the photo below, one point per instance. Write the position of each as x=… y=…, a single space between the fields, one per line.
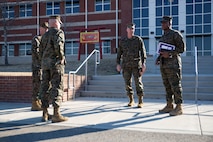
x=102 y=5
x=146 y=44
x=106 y=46
x=52 y=8
x=24 y=49
x=141 y=17
x=3 y=50
x=71 y=47
x=198 y=27
x=8 y=12
x=10 y=50
x=166 y=8
x=198 y=17
x=72 y=6
x=203 y=43
x=25 y=10
x=141 y=20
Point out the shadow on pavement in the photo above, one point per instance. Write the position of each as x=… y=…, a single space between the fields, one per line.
x=63 y=132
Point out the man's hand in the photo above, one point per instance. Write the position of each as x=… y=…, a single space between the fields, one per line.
x=63 y=61
x=157 y=62
x=141 y=72
x=118 y=67
x=164 y=54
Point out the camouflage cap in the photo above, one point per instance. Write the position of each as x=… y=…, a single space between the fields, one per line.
x=44 y=25
x=166 y=19
x=131 y=25
x=57 y=17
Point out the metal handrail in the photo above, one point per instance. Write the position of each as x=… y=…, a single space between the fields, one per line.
x=196 y=75
x=97 y=61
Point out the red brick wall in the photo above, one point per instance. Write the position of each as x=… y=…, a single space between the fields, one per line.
x=125 y=16
x=17 y=87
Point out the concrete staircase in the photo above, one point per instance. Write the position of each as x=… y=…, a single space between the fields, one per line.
x=113 y=86
x=205 y=65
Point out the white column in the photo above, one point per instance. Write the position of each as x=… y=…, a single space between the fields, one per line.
x=212 y=28
x=182 y=19
x=152 y=42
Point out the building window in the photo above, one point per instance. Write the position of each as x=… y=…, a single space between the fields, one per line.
x=72 y=6
x=52 y=8
x=198 y=17
x=141 y=20
x=106 y=46
x=8 y=12
x=25 y=10
x=2 y=50
x=24 y=49
x=203 y=44
x=102 y=5
x=166 y=8
x=10 y=50
x=146 y=44
x=141 y=17
x=71 y=47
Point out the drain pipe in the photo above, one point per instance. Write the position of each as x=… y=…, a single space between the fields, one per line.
x=38 y=17
x=86 y=25
x=116 y=36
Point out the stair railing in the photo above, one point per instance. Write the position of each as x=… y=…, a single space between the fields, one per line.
x=97 y=61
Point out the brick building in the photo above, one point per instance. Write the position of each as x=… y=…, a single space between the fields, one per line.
x=101 y=14
x=192 y=17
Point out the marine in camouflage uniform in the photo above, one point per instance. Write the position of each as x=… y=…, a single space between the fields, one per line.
x=36 y=68
x=52 y=64
x=133 y=54
x=171 y=67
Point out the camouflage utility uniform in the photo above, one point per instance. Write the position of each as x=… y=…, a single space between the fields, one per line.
x=133 y=55
x=36 y=67
x=171 y=68
x=52 y=52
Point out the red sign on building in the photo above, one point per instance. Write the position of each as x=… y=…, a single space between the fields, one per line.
x=89 y=37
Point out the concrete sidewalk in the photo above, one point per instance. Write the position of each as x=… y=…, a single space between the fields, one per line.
x=112 y=113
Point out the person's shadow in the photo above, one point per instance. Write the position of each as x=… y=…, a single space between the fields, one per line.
x=64 y=132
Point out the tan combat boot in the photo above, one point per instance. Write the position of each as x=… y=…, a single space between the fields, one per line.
x=131 y=100
x=36 y=106
x=169 y=107
x=57 y=117
x=177 y=111
x=140 y=101
x=46 y=116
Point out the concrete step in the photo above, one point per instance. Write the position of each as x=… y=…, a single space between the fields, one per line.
x=153 y=77
x=151 y=95
x=113 y=86
x=205 y=66
x=148 y=89
x=117 y=83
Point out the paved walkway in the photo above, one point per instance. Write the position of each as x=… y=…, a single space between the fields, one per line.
x=111 y=113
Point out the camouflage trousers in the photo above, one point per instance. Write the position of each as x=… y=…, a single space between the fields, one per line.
x=127 y=75
x=53 y=77
x=36 y=78
x=172 y=82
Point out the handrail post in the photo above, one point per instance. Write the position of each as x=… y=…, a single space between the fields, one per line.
x=73 y=85
x=96 y=58
x=69 y=80
x=196 y=75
